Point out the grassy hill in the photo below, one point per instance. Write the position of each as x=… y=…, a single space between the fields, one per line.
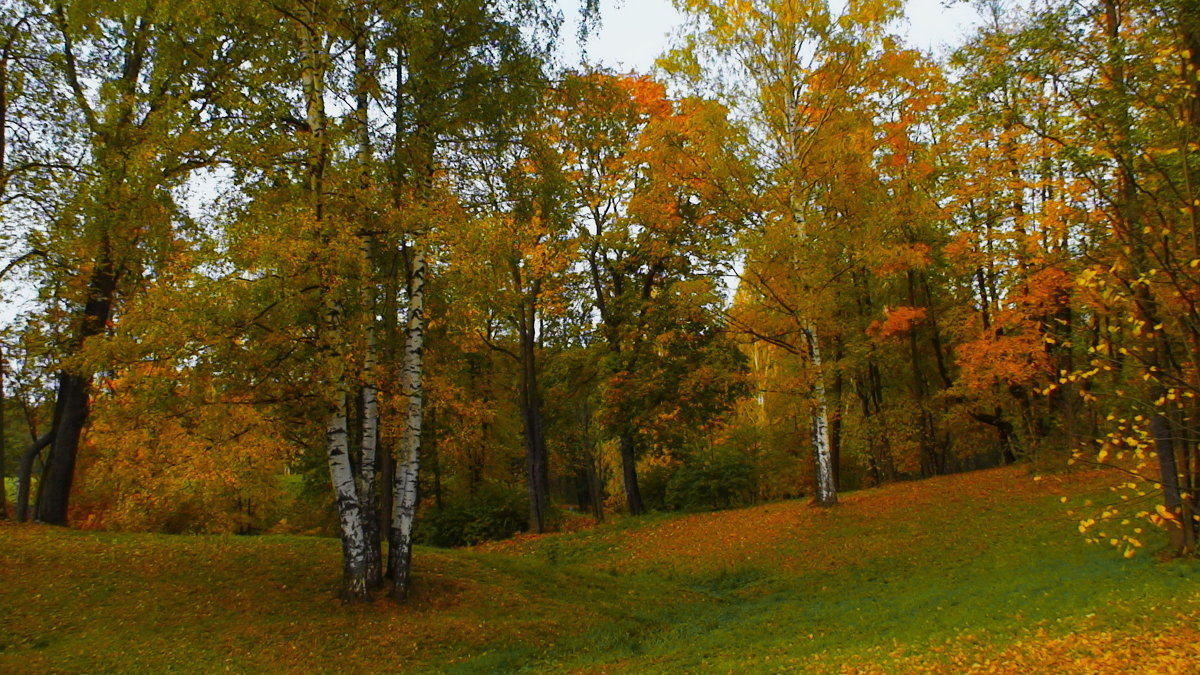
x=982 y=572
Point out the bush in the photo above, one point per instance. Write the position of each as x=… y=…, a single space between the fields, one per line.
x=725 y=480
x=652 y=482
x=492 y=513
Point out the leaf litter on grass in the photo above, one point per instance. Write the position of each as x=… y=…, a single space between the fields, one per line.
x=975 y=572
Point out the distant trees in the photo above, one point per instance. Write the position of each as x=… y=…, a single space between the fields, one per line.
x=842 y=205
x=992 y=251
x=653 y=228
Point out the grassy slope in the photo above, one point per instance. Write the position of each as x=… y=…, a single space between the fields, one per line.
x=978 y=572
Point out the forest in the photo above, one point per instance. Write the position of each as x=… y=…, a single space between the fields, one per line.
x=391 y=272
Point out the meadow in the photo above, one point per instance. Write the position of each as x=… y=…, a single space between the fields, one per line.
x=983 y=572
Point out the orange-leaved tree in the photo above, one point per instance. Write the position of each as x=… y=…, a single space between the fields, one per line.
x=648 y=179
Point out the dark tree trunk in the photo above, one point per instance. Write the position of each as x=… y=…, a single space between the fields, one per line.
x=587 y=491
x=434 y=458
x=387 y=476
x=25 y=473
x=1004 y=428
x=477 y=454
x=935 y=334
x=536 y=470
x=71 y=411
x=596 y=491
x=633 y=494
x=864 y=399
x=390 y=352
x=1183 y=539
x=835 y=420
x=71 y=406
x=931 y=461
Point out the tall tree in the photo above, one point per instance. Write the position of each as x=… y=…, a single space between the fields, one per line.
x=648 y=177
x=315 y=43
x=462 y=73
x=790 y=67
x=519 y=266
x=138 y=87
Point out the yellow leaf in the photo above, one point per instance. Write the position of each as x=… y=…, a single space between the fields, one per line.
x=1164 y=512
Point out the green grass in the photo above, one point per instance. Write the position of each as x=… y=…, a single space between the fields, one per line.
x=984 y=569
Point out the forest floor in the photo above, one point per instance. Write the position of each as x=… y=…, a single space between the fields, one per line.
x=983 y=572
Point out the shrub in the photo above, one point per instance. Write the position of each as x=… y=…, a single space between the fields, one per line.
x=494 y=512
x=724 y=480
x=652 y=482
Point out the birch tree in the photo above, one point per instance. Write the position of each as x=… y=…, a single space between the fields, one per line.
x=774 y=60
x=462 y=74
x=312 y=22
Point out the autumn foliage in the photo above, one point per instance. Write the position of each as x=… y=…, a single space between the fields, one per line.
x=389 y=270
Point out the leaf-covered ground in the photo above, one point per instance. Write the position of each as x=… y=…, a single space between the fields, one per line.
x=982 y=572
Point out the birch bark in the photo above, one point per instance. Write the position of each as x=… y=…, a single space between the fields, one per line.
x=405 y=488
x=315 y=57
x=792 y=143
x=369 y=441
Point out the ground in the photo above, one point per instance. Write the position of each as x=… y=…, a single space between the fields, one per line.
x=983 y=572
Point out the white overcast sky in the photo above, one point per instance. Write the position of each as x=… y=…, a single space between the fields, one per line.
x=634 y=33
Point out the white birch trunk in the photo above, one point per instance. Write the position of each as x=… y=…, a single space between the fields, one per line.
x=341 y=473
x=406 y=495
x=822 y=452
x=369 y=443
x=792 y=153
x=337 y=446
x=367 y=480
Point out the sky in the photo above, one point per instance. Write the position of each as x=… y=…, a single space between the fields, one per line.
x=634 y=32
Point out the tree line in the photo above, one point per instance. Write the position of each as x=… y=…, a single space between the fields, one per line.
x=397 y=247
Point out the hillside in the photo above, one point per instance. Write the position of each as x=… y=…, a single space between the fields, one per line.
x=982 y=572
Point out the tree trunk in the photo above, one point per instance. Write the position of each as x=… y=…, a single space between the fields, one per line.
x=71 y=411
x=314 y=61
x=430 y=431
x=1183 y=539
x=367 y=476
x=1004 y=428
x=406 y=488
x=537 y=481
x=595 y=490
x=354 y=545
x=633 y=494
x=835 y=425
x=826 y=494
x=71 y=405
x=369 y=439
x=3 y=368
x=25 y=473
x=385 y=452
